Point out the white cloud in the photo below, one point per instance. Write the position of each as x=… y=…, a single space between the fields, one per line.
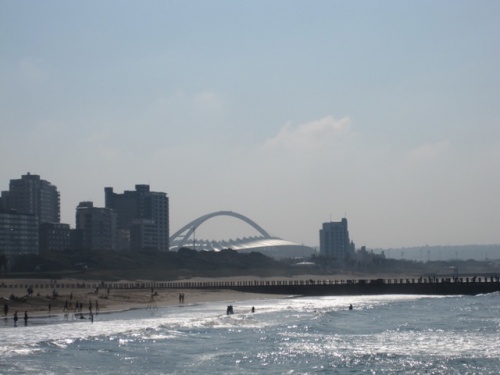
x=429 y=151
x=313 y=134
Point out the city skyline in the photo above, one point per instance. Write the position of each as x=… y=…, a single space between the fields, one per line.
x=290 y=113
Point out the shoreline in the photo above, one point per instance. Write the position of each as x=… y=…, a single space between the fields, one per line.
x=39 y=316
x=69 y=298
x=15 y=294
x=35 y=295
x=59 y=318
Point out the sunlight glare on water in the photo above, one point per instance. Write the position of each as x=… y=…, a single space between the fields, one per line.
x=382 y=334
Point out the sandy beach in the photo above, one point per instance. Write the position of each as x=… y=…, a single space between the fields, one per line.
x=16 y=295
x=18 y=299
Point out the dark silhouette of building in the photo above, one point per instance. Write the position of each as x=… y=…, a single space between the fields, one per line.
x=18 y=233
x=334 y=241
x=95 y=228
x=54 y=237
x=29 y=202
x=144 y=215
x=31 y=195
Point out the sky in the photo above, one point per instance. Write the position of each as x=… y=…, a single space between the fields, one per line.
x=292 y=113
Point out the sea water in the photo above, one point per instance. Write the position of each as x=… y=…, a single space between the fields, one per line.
x=392 y=334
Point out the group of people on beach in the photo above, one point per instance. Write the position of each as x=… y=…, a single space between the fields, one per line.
x=15 y=317
x=66 y=311
x=78 y=311
x=25 y=318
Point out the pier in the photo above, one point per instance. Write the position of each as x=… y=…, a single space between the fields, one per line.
x=313 y=287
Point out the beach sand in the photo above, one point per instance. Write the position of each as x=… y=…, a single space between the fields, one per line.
x=14 y=293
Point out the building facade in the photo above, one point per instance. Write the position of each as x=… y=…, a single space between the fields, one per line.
x=31 y=195
x=29 y=203
x=54 y=237
x=18 y=234
x=144 y=215
x=334 y=242
x=96 y=228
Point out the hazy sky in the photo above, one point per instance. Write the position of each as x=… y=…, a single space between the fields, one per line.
x=292 y=113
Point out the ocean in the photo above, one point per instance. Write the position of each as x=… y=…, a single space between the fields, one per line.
x=389 y=334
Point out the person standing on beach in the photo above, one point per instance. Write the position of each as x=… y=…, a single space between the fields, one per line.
x=15 y=319
x=25 y=318
x=5 y=309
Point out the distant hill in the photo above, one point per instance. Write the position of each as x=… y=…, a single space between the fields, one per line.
x=436 y=253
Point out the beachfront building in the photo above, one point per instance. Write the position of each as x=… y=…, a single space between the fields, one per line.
x=334 y=242
x=54 y=237
x=142 y=213
x=31 y=195
x=96 y=228
x=18 y=233
x=29 y=203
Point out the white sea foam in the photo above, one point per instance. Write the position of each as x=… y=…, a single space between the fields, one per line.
x=408 y=334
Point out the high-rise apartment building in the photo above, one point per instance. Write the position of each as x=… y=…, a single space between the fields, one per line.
x=54 y=237
x=31 y=195
x=144 y=215
x=29 y=202
x=334 y=241
x=18 y=233
x=96 y=227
